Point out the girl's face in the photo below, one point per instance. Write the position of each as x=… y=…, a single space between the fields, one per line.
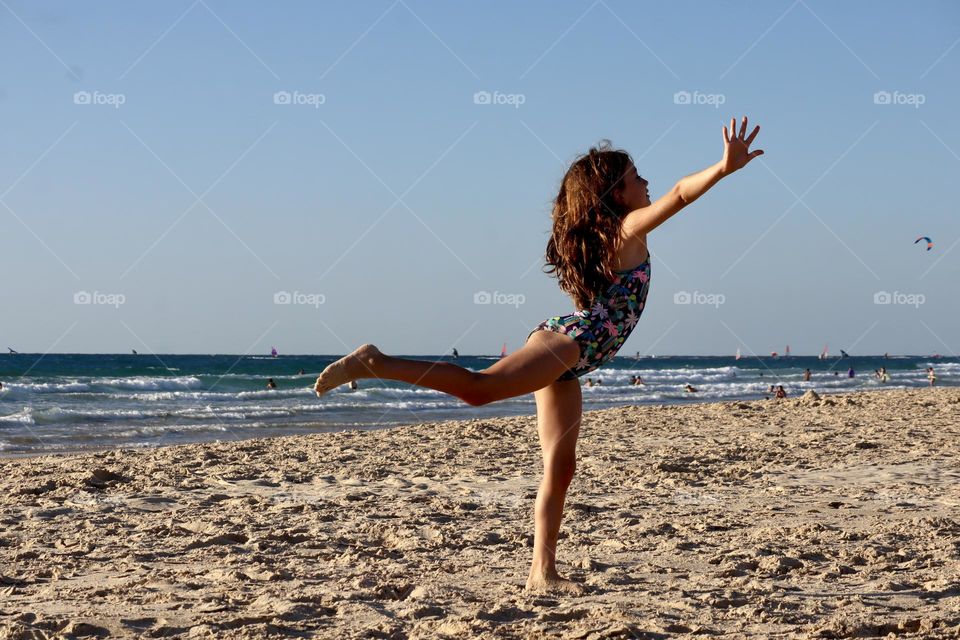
x=634 y=193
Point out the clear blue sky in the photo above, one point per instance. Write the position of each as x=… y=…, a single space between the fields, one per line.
x=199 y=198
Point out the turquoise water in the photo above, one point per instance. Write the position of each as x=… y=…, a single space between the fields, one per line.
x=63 y=402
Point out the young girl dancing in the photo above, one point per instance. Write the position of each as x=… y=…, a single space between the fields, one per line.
x=598 y=251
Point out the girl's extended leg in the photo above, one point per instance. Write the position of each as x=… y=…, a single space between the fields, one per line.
x=559 y=408
x=544 y=357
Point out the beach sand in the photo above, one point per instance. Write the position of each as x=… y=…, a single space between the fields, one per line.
x=827 y=518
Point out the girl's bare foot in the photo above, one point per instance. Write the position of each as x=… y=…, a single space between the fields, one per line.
x=551 y=582
x=359 y=364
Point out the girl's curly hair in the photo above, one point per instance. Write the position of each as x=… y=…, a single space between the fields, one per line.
x=586 y=223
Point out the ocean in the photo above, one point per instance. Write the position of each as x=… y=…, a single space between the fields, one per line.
x=73 y=402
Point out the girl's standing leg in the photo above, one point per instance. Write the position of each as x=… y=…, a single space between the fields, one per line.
x=559 y=407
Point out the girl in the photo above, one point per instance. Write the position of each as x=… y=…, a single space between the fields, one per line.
x=598 y=251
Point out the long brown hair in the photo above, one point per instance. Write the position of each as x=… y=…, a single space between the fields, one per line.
x=586 y=223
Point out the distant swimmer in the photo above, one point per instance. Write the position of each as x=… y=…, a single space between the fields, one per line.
x=301 y=372
x=455 y=354
x=636 y=380
x=806 y=375
x=589 y=382
x=851 y=373
x=884 y=376
x=353 y=385
x=931 y=376
x=271 y=384
x=690 y=389
x=780 y=393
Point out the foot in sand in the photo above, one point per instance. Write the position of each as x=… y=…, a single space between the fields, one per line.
x=551 y=582
x=359 y=364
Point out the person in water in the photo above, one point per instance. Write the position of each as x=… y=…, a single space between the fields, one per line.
x=806 y=375
x=271 y=384
x=598 y=251
x=781 y=393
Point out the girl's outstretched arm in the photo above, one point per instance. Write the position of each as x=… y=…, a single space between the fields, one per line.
x=736 y=154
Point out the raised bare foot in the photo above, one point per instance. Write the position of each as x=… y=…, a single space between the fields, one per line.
x=553 y=583
x=359 y=364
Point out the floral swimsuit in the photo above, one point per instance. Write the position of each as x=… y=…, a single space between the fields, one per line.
x=602 y=329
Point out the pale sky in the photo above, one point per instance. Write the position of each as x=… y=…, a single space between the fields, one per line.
x=184 y=163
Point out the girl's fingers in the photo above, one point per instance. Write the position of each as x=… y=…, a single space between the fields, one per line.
x=754 y=154
x=753 y=134
x=733 y=128
x=726 y=138
x=743 y=127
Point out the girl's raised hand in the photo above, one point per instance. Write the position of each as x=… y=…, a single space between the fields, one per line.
x=736 y=147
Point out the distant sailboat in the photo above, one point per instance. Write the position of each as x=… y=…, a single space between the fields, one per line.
x=786 y=353
x=825 y=353
x=503 y=350
x=738 y=354
x=273 y=351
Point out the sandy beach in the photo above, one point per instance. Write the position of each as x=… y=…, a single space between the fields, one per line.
x=829 y=518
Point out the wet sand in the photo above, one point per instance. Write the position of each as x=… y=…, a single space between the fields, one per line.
x=830 y=518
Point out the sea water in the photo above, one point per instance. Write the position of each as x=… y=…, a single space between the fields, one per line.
x=70 y=402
